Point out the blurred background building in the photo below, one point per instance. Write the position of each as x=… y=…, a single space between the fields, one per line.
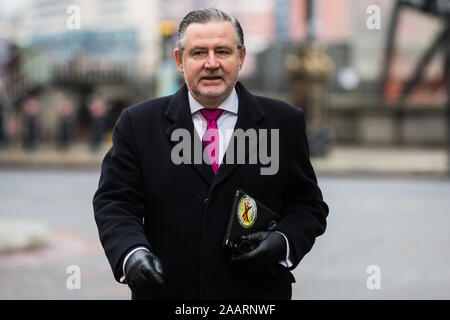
x=122 y=50
x=78 y=48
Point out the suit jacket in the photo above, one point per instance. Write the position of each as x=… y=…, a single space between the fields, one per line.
x=180 y=212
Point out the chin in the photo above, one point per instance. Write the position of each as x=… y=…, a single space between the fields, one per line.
x=212 y=93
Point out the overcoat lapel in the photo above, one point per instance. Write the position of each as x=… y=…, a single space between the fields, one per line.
x=249 y=114
x=179 y=112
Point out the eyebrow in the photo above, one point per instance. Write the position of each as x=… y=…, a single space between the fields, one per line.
x=197 y=48
x=204 y=48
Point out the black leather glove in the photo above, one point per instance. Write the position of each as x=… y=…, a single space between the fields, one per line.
x=144 y=274
x=269 y=249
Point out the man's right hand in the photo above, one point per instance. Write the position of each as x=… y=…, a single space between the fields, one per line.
x=144 y=274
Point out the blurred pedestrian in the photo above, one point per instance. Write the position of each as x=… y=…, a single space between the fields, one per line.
x=98 y=109
x=31 y=108
x=12 y=128
x=2 y=128
x=12 y=66
x=66 y=121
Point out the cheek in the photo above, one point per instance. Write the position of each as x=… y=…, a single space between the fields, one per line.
x=232 y=69
x=192 y=70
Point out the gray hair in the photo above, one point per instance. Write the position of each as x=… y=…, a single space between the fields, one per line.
x=205 y=15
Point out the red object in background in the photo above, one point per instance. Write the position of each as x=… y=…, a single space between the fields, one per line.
x=31 y=107
x=392 y=89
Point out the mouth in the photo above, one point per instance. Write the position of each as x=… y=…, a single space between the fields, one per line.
x=211 y=78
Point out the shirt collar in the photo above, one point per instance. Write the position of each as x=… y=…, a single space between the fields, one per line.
x=230 y=104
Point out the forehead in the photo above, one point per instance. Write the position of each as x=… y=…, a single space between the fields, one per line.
x=210 y=34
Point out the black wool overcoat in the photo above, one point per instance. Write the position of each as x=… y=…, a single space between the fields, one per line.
x=181 y=211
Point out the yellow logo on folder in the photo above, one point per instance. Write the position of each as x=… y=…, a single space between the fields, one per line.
x=246 y=211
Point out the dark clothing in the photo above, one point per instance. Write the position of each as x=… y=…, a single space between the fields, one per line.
x=65 y=132
x=98 y=129
x=180 y=212
x=31 y=136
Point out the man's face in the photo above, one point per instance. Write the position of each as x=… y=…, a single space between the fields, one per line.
x=210 y=61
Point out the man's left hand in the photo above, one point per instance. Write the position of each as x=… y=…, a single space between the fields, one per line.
x=269 y=249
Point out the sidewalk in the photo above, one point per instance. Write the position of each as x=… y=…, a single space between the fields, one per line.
x=17 y=235
x=364 y=160
x=48 y=156
x=340 y=160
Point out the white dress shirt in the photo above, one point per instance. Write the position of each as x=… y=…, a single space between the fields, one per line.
x=225 y=125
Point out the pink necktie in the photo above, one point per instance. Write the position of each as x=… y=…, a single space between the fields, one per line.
x=210 y=139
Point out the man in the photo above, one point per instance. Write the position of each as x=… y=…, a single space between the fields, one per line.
x=162 y=223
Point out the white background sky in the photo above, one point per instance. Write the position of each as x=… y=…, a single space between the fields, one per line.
x=8 y=7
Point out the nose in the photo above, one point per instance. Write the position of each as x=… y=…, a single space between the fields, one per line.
x=211 y=61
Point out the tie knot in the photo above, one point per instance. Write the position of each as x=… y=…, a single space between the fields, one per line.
x=211 y=114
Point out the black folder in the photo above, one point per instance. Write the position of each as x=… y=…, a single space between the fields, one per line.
x=248 y=215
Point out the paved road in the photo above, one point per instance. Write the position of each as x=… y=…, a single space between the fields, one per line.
x=401 y=225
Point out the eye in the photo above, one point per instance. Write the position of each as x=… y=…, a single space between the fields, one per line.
x=198 y=53
x=223 y=52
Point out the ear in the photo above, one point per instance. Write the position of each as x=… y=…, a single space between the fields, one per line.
x=179 y=60
x=242 y=57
